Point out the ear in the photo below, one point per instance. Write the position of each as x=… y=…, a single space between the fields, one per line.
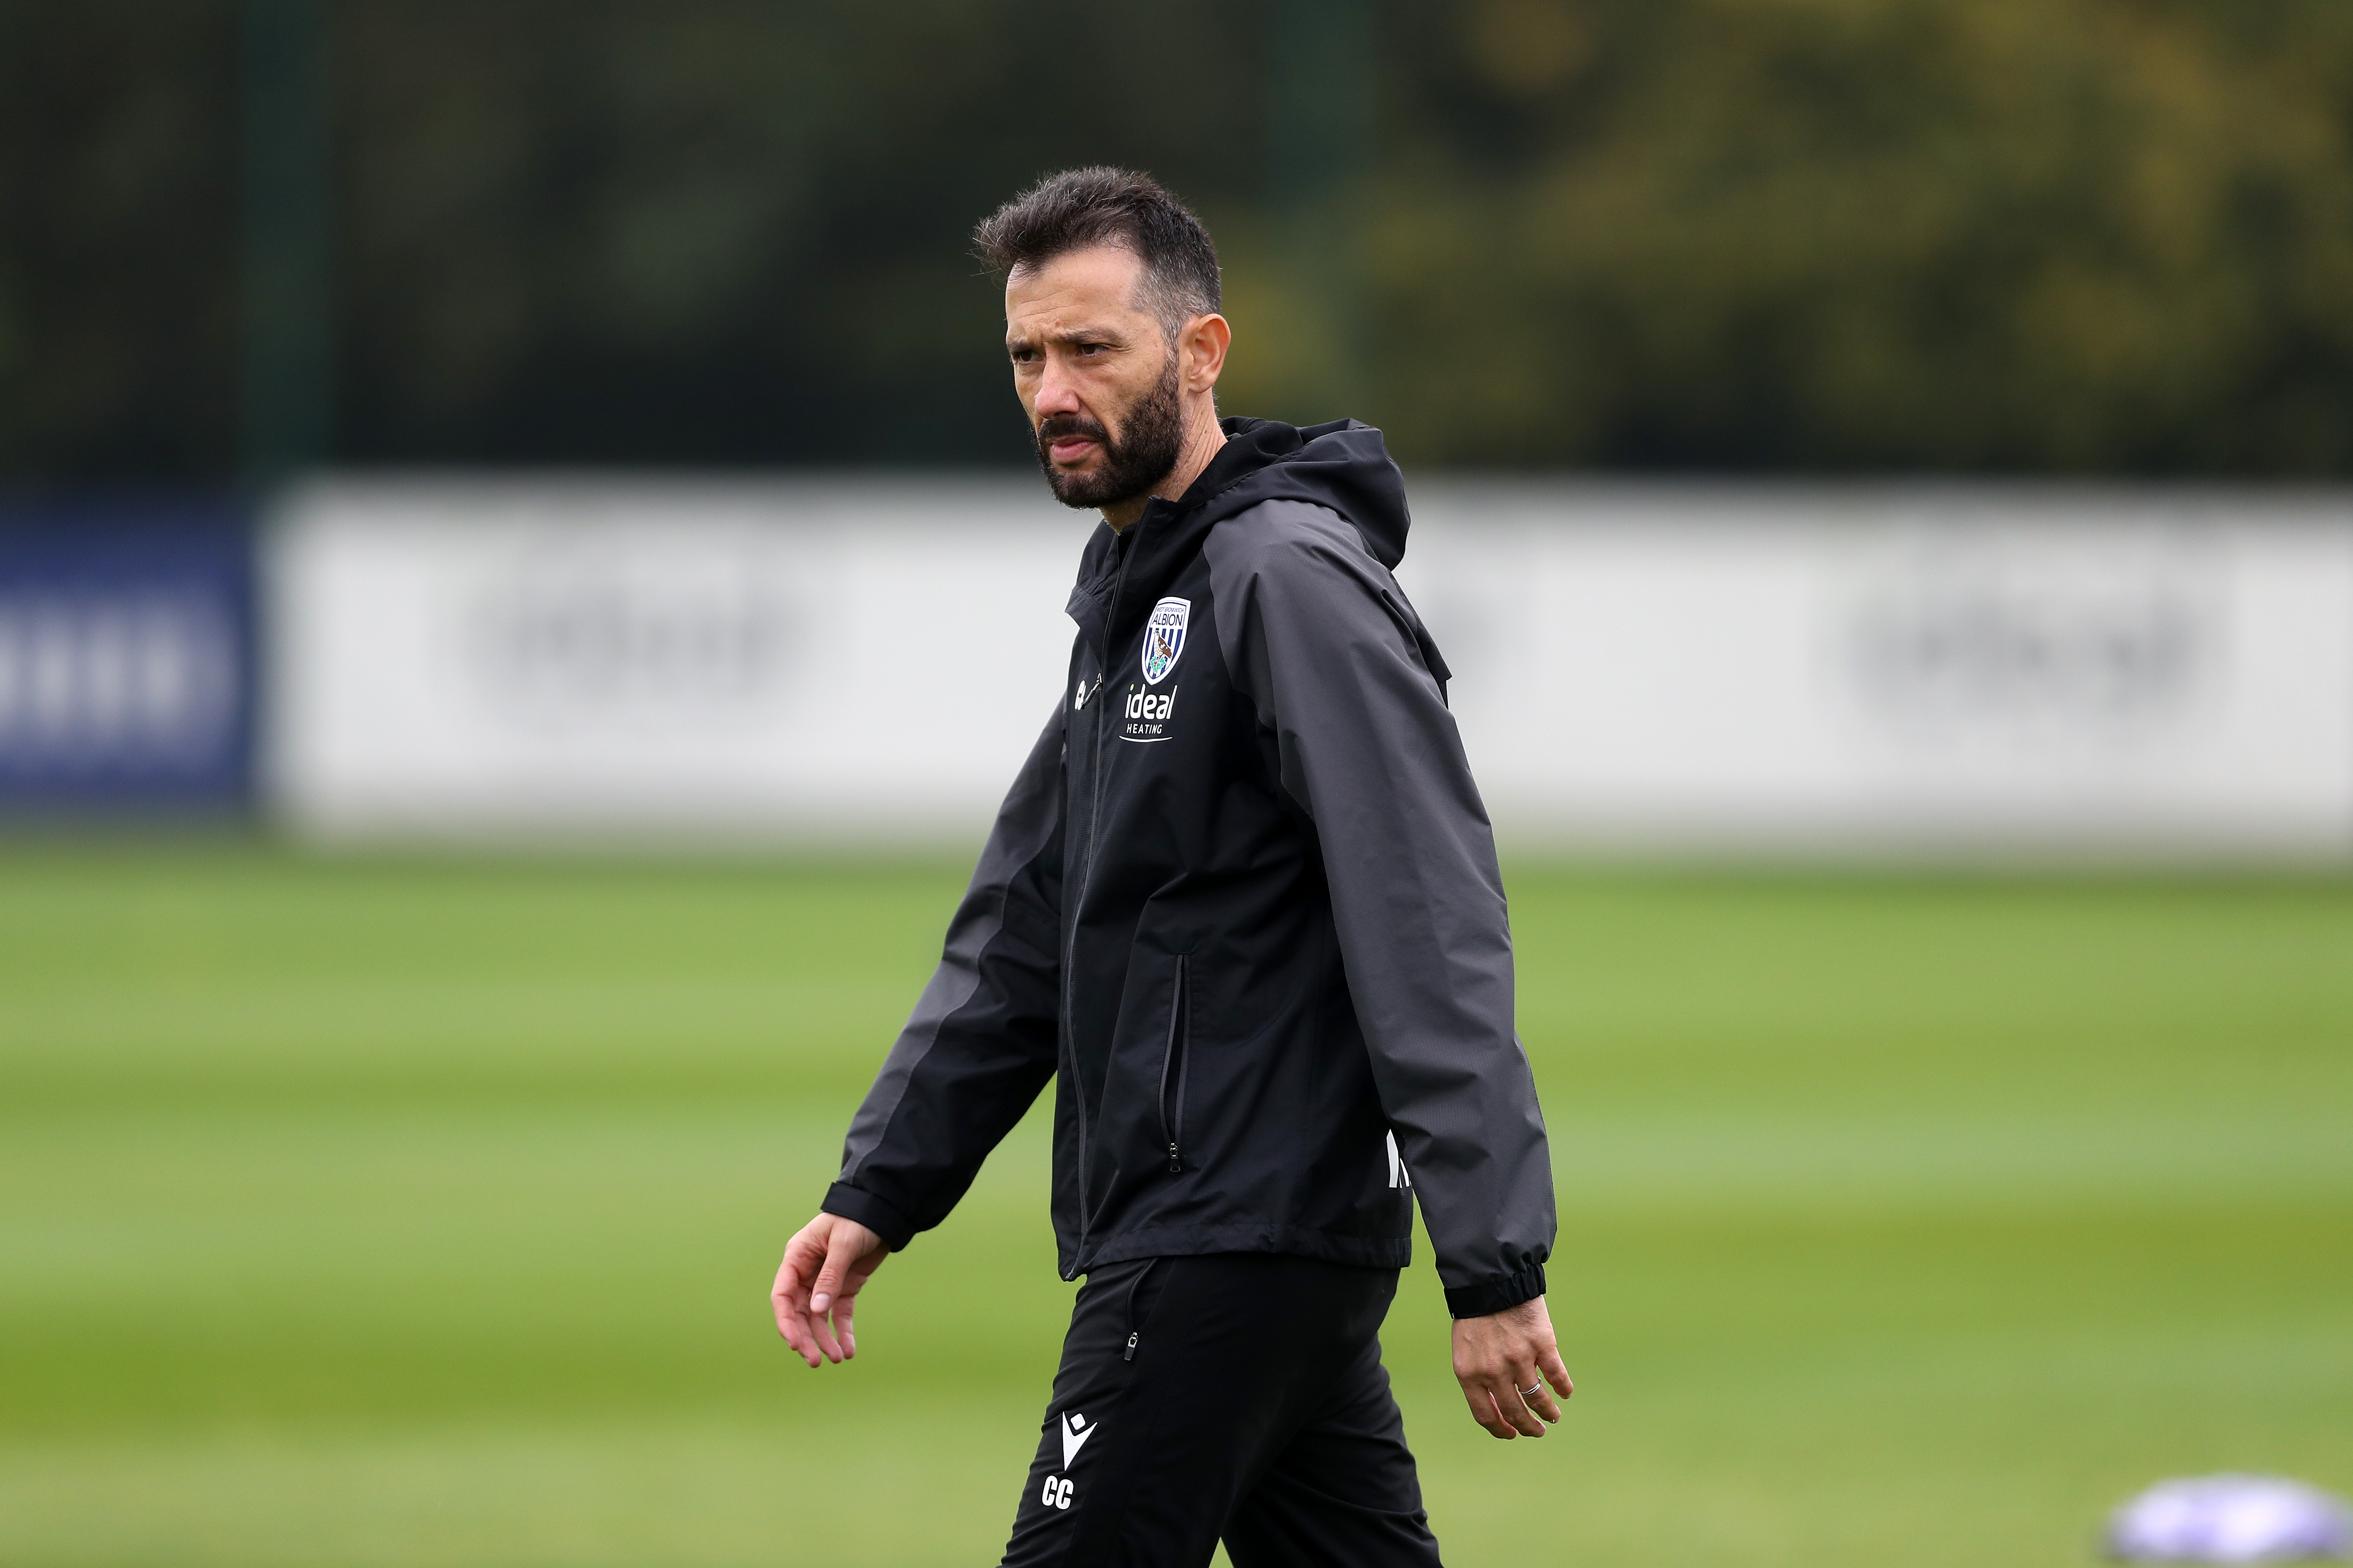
x=1201 y=352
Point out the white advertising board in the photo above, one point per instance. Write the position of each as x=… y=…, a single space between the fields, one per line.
x=553 y=659
x=1941 y=671
x=1954 y=670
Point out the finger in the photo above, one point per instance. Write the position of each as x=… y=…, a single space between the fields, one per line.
x=1528 y=1385
x=791 y=1306
x=1482 y=1410
x=1515 y=1408
x=1529 y=1388
x=1556 y=1370
x=822 y=1332
x=1471 y=1400
x=1515 y=1422
x=780 y=1302
x=841 y=1310
x=821 y=1295
x=793 y=1323
x=804 y=1257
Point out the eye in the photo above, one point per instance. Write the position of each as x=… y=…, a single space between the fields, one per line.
x=1087 y=350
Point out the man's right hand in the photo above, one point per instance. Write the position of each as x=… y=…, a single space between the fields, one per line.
x=824 y=1268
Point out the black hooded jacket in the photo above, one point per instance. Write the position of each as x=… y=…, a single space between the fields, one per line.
x=1242 y=900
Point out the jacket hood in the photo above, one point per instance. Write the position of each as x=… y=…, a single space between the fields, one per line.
x=1342 y=465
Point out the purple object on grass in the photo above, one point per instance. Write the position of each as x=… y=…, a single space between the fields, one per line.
x=2231 y=1518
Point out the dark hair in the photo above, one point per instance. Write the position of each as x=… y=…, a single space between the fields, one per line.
x=1080 y=209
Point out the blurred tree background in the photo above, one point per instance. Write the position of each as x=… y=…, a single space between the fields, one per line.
x=2017 y=236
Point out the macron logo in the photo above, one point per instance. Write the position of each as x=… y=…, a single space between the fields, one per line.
x=1075 y=1433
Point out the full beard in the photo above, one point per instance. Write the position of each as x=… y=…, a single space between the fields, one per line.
x=1149 y=440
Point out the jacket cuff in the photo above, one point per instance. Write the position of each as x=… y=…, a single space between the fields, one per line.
x=1495 y=1295
x=895 y=1229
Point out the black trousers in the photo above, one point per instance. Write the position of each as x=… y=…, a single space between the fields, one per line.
x=1239 y=1395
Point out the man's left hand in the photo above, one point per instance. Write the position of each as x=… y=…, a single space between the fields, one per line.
x=1503 y=1362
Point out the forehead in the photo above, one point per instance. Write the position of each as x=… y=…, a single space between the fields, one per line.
x=1099 y=284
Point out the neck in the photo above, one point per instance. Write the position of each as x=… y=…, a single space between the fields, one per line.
x=1202 y=439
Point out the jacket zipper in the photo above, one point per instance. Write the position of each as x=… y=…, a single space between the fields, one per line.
x=1086 y=875
x=1173 y=1064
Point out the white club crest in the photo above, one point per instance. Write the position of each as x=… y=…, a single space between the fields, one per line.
x=1163 y=637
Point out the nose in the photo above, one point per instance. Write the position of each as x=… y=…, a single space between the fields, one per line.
x=1056 y=393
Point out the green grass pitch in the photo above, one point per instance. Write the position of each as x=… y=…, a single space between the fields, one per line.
x=420 y=1212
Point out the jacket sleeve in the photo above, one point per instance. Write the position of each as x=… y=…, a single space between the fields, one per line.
x=982 y=1040
x=1319 y=635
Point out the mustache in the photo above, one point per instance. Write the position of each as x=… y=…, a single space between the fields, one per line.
x=1061 y=426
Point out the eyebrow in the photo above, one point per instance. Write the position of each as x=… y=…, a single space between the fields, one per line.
x=1071 y=336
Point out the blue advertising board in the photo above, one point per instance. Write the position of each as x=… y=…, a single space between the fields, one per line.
x=127 y=654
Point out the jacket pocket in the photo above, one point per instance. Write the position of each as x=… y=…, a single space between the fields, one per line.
x=1173 y=1064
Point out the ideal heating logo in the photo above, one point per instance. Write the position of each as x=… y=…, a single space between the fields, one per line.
x=613 y=629
x=1148 y=713
x=2023 y=641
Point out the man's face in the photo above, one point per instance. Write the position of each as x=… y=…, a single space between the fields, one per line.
x=1096 y=375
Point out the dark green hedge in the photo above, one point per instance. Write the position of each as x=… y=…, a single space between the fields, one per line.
x=1991 y=235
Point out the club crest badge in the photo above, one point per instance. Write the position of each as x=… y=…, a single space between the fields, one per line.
x=1164 y=638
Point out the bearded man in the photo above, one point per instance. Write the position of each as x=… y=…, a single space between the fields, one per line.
x=1242 y=906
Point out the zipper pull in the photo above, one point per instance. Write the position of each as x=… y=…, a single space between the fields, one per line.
x=1176 y=1164
x=1131 y=1346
